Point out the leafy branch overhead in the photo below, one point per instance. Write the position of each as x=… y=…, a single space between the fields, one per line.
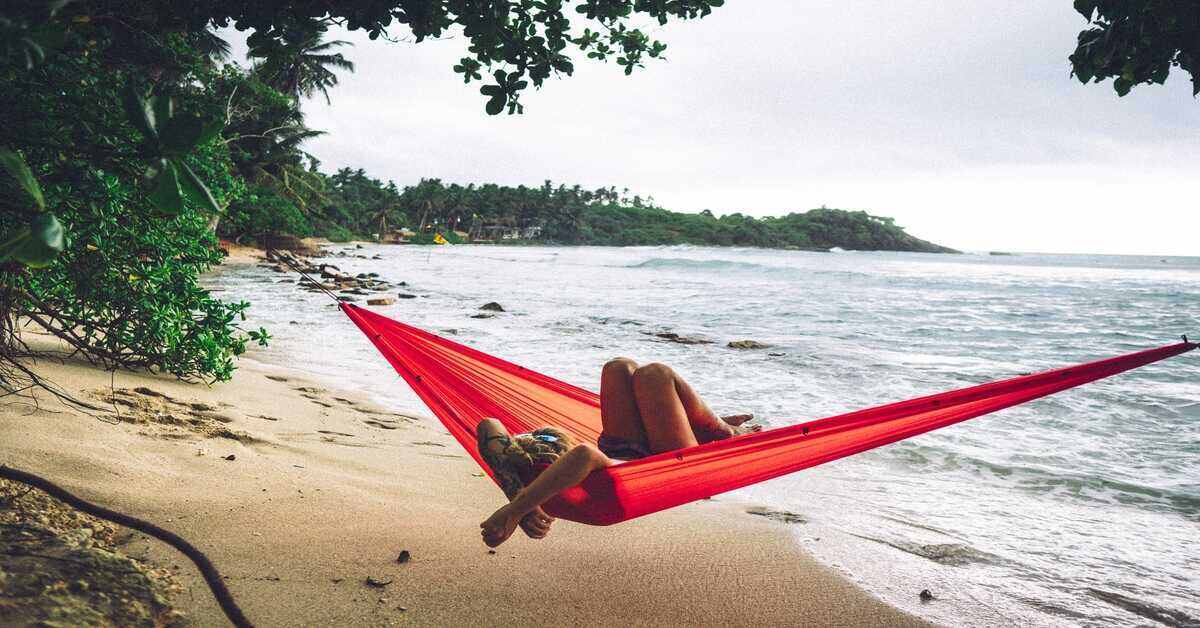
x=519 y=44
x=1137 y=43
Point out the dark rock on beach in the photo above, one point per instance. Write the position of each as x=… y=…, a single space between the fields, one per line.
x=492 y=307
x=483 y=316
x=747 y=344
x=671 y=336
x=332 y=277
x=781 y=516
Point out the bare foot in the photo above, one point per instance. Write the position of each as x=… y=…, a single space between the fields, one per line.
x=536 y=523
x=735 y=422
x=498 y=527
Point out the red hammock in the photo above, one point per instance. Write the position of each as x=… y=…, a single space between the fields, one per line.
x=463 y=386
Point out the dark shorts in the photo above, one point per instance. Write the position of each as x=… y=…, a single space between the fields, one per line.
x=621 y=449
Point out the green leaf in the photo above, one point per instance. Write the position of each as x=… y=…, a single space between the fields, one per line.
x=14 y=164
x=138 y=111
x=181 y=134
x=46 y=241
x=167 y=196
x=1122 y=85
x=12 y=241
x=196 y=190
x=1085 y=8
x=495 y=104
x=36 y=245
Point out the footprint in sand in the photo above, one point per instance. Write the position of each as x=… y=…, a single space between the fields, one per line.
x=312 y=390
x=278 y=378
x=335 y=433
x=428 y=443
x=382 y=426
x=146 y=406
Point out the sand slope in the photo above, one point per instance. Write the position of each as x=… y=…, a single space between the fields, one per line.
x=325 y=490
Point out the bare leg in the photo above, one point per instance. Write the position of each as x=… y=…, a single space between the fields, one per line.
x=673 y=414
x=665 y=416
x=618 y=404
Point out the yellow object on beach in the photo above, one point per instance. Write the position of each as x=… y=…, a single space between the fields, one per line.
x=438 y=239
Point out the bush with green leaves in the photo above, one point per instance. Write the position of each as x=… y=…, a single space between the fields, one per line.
x=126 y=292
x=263 y=212
x=133 y=182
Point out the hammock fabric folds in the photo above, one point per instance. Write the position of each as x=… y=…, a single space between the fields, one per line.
x=463 y=386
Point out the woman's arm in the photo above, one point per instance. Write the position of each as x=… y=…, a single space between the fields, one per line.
x=493 y=438
x=566 y=472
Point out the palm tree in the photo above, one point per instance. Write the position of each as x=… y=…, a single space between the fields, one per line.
x=301 y=65
x=214 y=49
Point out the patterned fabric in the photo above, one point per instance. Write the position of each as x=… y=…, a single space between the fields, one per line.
x=621 y=449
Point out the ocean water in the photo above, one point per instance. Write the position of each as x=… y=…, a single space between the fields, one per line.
x=1078 y=509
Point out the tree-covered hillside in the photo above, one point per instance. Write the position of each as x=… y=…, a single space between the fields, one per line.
x=560 y=214
x=818 y=229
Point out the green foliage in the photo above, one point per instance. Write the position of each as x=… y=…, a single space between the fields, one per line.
x=170 y=138
x=37 y=242
x=357 y=203
x=817 y=229
x=124 y=290
x=1137 y=43
x=264 y=212
x=27 y=38
x=338 y=233
x=516 y=44
x=573 y=215
x=297 y=63
x=138 y=175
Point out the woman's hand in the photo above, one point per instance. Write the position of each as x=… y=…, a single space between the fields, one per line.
x=536 y=523
x=498 y=527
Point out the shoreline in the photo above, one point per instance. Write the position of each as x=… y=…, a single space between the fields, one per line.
x=326 y=488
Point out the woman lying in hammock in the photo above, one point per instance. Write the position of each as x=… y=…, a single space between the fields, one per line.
x=645 y=410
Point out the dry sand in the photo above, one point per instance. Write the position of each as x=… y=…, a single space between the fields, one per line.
x=325 y=489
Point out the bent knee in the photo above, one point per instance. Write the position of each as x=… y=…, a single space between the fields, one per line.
x=655 y=371
x=624 y=366
x=588 y=451
x=490 y=425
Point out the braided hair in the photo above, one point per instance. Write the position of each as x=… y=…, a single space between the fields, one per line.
x=527 y=451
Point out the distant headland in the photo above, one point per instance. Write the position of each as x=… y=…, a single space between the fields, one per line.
x=356 y=206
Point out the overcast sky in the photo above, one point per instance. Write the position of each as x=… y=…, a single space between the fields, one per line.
x=958 y=119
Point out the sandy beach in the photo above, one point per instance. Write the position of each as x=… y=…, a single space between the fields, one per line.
x=299 y=493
